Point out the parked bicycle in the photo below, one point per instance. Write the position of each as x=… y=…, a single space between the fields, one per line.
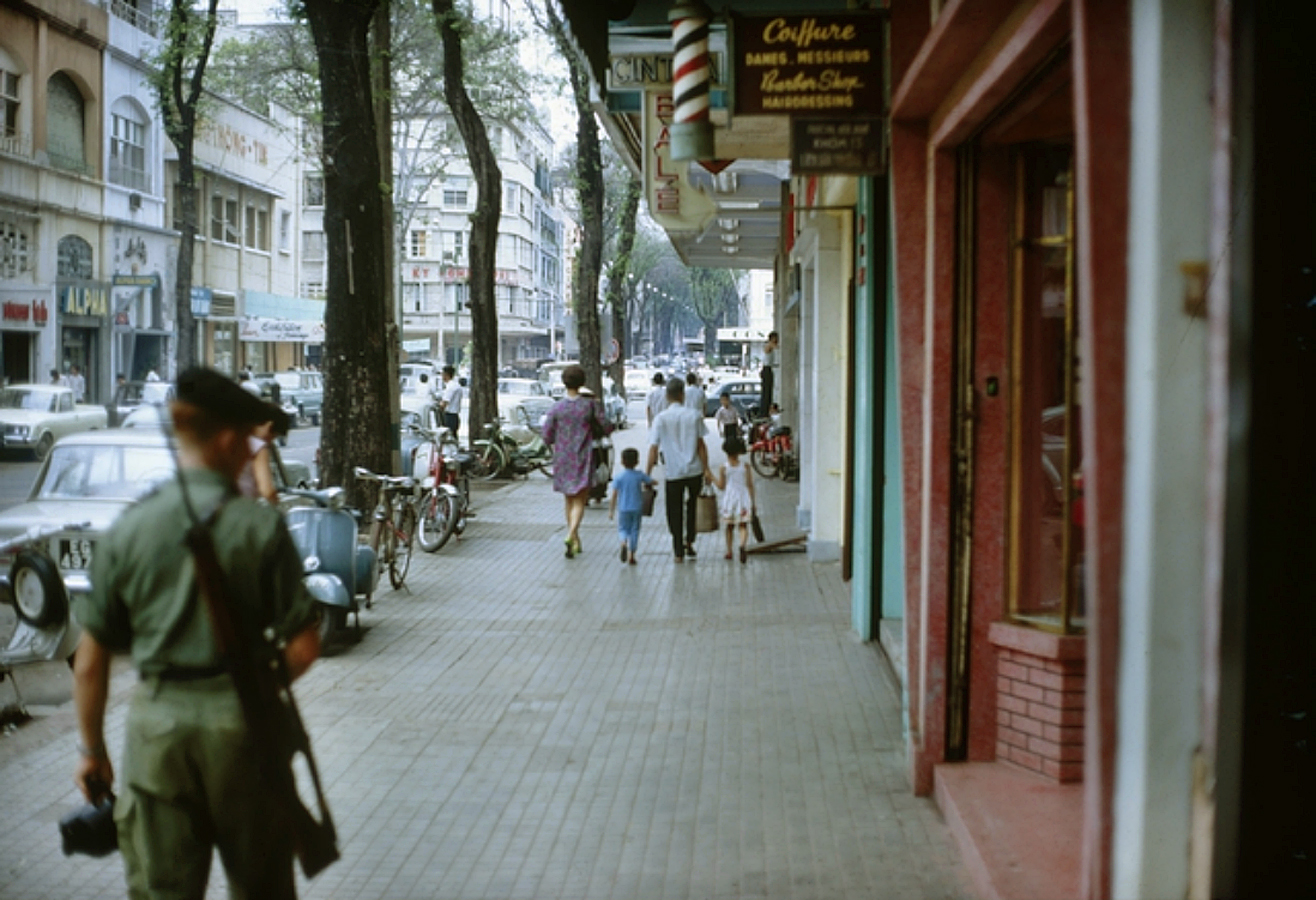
x=393 y=525
x=445 y=487
x=771 y=452
x=510 y=451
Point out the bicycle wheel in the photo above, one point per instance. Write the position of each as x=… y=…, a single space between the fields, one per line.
x=437 y=520
x=403 y=538
x=765 y=462
x=488 y=460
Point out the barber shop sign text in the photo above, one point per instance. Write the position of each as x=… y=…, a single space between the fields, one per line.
x=807 y=65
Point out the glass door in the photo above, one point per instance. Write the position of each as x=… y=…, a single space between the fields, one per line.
x=1046 y=506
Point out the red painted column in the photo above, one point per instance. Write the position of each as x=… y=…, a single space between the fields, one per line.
x=934 y=548
x=909 y=173
x=1102 y=73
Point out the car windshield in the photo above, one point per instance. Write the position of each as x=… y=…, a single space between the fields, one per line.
x=15 y=398
x=103 y=471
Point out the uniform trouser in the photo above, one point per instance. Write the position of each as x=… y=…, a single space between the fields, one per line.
x=628 y=527
x=765 y=388
x=682 y=527
x=191 y=783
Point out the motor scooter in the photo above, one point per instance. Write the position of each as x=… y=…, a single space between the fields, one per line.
x=338 y=569
x=445 y=492
x=46 y=630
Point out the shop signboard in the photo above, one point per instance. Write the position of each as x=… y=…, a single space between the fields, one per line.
x=674 y=202
x=280 y=331
x=838 y=146
x=201 y=300
x=808 y=65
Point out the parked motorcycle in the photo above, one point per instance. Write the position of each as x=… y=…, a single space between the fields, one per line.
x=445 y=487
x=516 y=450
x=338 y=569
x=46 y=630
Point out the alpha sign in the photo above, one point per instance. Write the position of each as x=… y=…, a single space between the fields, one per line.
x=808 y=65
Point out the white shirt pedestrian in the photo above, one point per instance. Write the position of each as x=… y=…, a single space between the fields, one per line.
x=678 y=433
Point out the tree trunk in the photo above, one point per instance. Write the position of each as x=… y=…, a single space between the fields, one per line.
x=483 y=406
x=178 y=91
x=357 y=377
x=382 y=74
x=617 y=282
x=184 y=320
x=711 y=346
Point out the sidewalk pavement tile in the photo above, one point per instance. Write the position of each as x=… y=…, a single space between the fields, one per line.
x=514 y=724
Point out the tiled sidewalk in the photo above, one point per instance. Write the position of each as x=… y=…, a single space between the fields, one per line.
x=518 y=725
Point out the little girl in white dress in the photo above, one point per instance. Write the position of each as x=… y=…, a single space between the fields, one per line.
x=736 y=482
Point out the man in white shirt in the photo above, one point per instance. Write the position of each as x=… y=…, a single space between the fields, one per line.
x=656 y=402
x=678 y=432
x=694 y=393
x=77 y=384
x=450 y=400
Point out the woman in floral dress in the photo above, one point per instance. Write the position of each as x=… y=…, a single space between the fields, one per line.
x=568 y=430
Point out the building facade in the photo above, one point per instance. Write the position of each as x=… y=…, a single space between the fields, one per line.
x=1022 y=358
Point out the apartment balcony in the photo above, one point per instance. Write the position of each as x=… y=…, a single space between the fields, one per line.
x=16 y=143
x=141 y=14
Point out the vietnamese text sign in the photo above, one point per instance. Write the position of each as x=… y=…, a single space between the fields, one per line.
x=808 y=65
x=837 y=146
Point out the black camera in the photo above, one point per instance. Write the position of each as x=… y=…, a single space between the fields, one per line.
x=90 y=828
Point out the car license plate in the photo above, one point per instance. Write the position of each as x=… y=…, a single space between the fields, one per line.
x=75 y=553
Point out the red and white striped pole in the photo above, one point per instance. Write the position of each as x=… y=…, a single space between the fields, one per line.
x=692 y=130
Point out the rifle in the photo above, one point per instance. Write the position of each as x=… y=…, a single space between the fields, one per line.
x=265 y=693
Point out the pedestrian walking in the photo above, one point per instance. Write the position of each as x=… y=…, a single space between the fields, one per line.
x=727 y=418
x=77 y=383
x=656 y=402
x=627 y=503
x=570 y=428
x=736 y=482
x=192 y=771
x=678 y=434
x=694 y=393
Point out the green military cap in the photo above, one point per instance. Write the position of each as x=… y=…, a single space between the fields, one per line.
x=226 y=400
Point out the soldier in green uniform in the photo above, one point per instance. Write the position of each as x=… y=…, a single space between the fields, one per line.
x=190 y=771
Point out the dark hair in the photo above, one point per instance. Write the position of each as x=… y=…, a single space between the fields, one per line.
x=449 y=370
x=630 y=457
x=573 y=377
x=658 y=378
x=691 y=377
x=733 y=446
x=772 y=336
x=675 y=389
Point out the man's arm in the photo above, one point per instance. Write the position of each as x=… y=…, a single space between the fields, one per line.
x=302 y=650
x=701 y=450
x=653 y=459
x=91 y=688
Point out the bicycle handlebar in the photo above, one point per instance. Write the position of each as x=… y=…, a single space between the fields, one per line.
x=389 y=481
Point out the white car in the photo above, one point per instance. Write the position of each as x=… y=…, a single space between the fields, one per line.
x=514 y=392
x=34 y=416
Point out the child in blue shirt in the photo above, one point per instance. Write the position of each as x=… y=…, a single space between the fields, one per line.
x=627 y=503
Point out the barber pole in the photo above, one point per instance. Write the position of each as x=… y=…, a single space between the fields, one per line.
x=691 y=131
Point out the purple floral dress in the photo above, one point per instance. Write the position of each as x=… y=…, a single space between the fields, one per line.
x=566 y=430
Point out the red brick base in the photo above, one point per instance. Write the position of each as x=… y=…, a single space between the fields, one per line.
x=1039 y=706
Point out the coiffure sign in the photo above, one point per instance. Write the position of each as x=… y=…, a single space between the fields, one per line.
x=808 y=65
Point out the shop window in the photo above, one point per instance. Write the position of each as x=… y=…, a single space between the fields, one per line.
x=65 y=125
x=74 y=258
x=1046 y=564
x=15 y=248
x=128 y=148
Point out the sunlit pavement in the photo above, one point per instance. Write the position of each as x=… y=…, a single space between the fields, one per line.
x=520 y=725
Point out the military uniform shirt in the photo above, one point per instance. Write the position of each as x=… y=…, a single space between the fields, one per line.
x=144 y=591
